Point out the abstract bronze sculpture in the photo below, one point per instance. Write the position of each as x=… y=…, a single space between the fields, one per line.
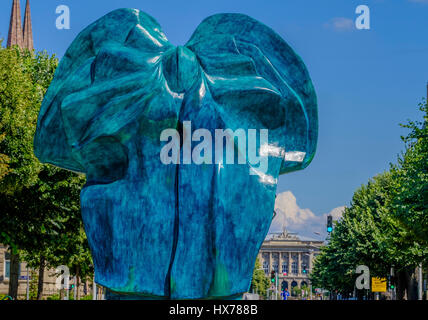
x=177 y=230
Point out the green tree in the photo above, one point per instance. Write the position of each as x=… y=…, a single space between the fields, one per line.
x=24 y=78
x=296 y=291
x=411 y=173
x=387 y=223
x=259 y=283
x=306 y=291
x=4 y=161
x=21 y=93
x=57 y=231
x=368 y=234
x=40 y=217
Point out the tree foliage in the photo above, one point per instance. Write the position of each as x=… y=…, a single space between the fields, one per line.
x=259 y=283
x=386 y=223
x=411 y=174
x=20 y=97
x=40 y=216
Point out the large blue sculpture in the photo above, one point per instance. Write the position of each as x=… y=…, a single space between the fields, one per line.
x=179 y=230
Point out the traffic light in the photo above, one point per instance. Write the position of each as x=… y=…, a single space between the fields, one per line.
x=283 y=286
x=304 y=268
x=329 y=224
x=272 y=276
x=391 y=282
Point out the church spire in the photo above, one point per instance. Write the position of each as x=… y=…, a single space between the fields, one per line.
x=28 y=28
x=15 y=36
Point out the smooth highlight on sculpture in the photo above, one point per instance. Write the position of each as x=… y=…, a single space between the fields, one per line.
x=179 y=231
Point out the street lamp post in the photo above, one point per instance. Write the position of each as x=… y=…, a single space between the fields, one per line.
x=420 y=289
x=393 y=296
x=28 y=284
x=67 y=287
x=75 y=287
x=276 y=286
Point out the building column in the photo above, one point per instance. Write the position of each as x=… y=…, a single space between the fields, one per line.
x=289 y=263
x=311 y=256
x=282 y=260
x=270 y=261
x=299 y=263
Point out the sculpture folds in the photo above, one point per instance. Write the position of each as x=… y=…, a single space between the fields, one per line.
x=176 y=231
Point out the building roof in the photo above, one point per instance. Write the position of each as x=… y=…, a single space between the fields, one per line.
x=286 y=238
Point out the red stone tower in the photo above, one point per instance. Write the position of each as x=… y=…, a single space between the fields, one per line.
x=15 y=37
x=28 y=28
x=22 y=38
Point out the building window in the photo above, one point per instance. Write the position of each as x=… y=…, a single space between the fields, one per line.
x=285 y=267
x=305 y=263
x=294 y=269
x=266 y=267
x=6 y=265
x=6 y=269
x=275 y=266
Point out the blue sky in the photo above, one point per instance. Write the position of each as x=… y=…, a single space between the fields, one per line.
x=367 y=81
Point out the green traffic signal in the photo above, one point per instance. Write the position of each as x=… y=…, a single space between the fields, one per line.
x=272 y=276
x=329 y=224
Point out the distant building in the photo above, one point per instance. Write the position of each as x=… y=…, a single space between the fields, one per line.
x=291 y=257
x=49 y=284
x=21 y=36
x=49 y=276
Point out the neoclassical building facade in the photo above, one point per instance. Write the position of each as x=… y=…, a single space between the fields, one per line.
x=291 y=257
x=49 y=284
x=49 y=287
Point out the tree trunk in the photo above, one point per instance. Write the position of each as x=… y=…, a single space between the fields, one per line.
x=401 y=285
x=86 y=287
x=41 y=279
x=407 y=285
x=14 y=275
x=412 y=286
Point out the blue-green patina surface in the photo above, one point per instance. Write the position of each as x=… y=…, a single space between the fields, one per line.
x=182 y=231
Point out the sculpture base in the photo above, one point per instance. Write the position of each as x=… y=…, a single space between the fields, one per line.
x=110 y=295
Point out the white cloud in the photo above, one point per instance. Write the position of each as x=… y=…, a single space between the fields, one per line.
x=336 y=213
x=296 y=219
x=340 y=24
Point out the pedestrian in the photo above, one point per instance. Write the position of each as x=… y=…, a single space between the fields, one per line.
x=285 y=294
